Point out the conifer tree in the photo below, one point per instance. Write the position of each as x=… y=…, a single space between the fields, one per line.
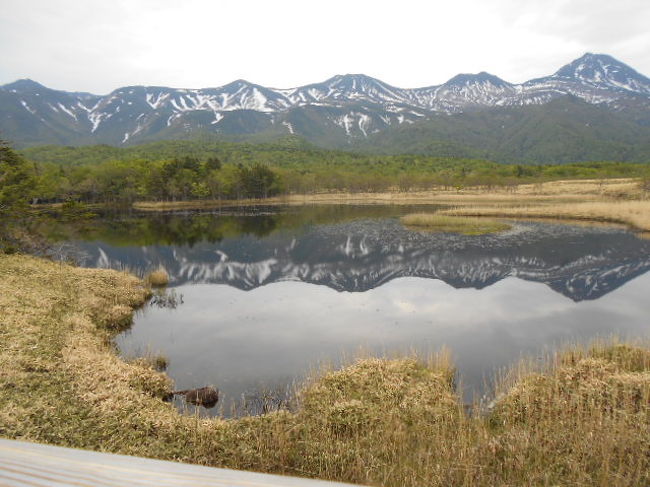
x=16 y=180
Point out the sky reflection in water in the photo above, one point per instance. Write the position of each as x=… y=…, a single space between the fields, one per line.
x=243 y=341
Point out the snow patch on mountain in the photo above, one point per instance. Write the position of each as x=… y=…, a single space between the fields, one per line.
x=96 y=119
x=154 y=101
x=62 y=107
x=364 y=123
x=27 y=107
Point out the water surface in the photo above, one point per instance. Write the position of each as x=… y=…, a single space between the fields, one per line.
x=265 y=296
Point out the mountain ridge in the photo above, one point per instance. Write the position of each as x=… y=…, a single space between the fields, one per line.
x=340 y=111
x=563 y=72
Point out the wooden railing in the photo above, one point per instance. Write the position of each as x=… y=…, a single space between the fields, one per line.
x=31 y=464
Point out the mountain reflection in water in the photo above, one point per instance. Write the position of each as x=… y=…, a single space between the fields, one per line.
x=579 y=262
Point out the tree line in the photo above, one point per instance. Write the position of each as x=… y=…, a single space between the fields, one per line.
x=184 y=178
x=174 y=171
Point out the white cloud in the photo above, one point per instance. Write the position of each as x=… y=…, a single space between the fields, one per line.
x=98 y=46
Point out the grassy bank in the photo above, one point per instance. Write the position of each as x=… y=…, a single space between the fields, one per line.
x=563 y=191
x=584 y=420
x=633 y=213
x=384 y=198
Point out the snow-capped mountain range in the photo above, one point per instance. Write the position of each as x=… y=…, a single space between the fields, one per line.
x=349 y=106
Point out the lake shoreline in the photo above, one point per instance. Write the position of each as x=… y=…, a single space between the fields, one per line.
x=554 y=191
x=63 y=383
x=396 y=198
x=617 y=201
x=588 y=200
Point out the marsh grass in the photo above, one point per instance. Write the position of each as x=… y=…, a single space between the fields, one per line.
x=632 y=213
x=434 y=222
x=581 y=418
x=158 y=277
x=156 y=361
x=558 y=191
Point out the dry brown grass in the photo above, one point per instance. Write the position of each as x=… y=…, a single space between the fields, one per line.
x=549 y=192
x=435 y=222
x=584 y=420
x=610 y=188
x=158 y=278
x=439 y=196
x=633 y=213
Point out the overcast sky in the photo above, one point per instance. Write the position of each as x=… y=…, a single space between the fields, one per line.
x=97 y=46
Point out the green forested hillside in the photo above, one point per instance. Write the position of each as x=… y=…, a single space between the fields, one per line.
x=279 y=152
x=561 y=131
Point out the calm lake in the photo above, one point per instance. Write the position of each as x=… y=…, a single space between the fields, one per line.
x=260 y=298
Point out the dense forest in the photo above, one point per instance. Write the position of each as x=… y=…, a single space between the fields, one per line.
x=185 y=170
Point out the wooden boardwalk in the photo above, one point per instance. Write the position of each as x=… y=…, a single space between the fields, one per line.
x=31 y=464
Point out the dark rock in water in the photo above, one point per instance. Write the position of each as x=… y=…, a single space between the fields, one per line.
x=205 y=396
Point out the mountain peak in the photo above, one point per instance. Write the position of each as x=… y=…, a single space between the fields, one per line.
x=471 y=78
x=604 y=71
x=353 y=81
x=356 y=87
x=357 y=76
x=242 y=81
x=237 y=84
x=586 y=61
x=23 y=85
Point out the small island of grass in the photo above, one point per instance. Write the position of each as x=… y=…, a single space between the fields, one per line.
x=158 y=277
x=434 y=222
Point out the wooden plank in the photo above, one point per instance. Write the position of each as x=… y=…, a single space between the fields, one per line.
x=32 y=464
